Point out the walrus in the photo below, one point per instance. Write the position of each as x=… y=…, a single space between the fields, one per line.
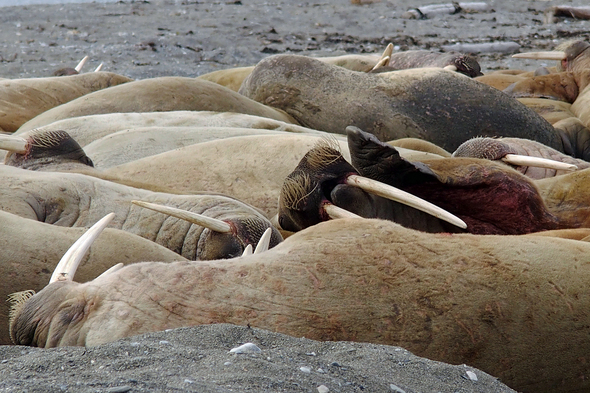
x=23 y=266
x=158 y=94
x=23 y=99
x=513 y=306
x=440 y=106
x=513 y=204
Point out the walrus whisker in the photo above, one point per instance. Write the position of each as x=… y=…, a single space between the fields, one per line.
x=199 y=219
x=296 y=190
x=521 y=160
x=397 y=195
x=13 y=143
x=335 y=212
x=67 y=266
x=552 y=55
x=78 y=68
x=325 y=152
x=263 y=242
x=17 y=301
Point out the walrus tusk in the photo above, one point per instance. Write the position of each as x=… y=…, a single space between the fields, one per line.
x=384 y=57
x=67 y=266
x=263 y=242
x=13 y=143
x=336 y=212
x=199 y=219
x=78 y=68
x=247 y=250
x=520 y=160
x=99 y=67
x=111 y=269
x=450 y=68
x=397 y=195
x=553 y=55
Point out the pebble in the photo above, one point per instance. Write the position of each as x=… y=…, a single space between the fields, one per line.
x=396 y=389
x=119 y=389
x=246 y=348
x=471 y=375
x=306 y=370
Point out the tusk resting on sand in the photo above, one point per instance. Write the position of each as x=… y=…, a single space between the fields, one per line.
x=397 y=195
x=199 y=219
x=67 y=266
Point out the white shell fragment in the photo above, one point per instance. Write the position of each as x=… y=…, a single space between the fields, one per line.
x=246 y=348
x=396 y=389
x=323 y=389
x=306 y=370
x=471 y=375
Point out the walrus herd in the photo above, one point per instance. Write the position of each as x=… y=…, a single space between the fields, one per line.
x=404 y=199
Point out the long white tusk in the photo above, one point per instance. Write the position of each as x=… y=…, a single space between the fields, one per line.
x=336 y=212
x=384 y=61
x=450 y=67
x=13 y=143
x=388 y=51
x=99 y=67
x=247 y=250
x=199 y=219
x=519 y=160
x=81 y=64
x=395 y=194
x=111 y=269
x=264 y=241
x=67 y=266
x=553 y=55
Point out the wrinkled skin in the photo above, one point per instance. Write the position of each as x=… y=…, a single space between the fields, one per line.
x=75 y=200
x=496 y=149
x=24 y=267
x=501 y=304
x=440 y=106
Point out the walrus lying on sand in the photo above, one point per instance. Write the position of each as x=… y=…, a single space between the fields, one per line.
x=516 y=307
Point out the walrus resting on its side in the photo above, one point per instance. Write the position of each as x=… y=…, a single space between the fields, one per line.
x=437 y=105
x=517 y=307
x=489 y=197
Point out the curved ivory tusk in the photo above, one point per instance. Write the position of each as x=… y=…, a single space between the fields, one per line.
x=99 y=67
x=81 y=64
x=518 y=160
x=247 y=250
x=13 y=143
x=67 y=266
x=381 y=63
x=111 y=269
x=395 y=194
x=450 y=67
x=553 y=55
x=388 y=51
x=336 y=212
x=264 y=242
x=199 y=219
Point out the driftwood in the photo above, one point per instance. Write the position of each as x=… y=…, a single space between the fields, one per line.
x=552 y=13
x=428 y=11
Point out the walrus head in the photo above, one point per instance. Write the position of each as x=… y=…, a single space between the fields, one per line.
x=43 y=148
